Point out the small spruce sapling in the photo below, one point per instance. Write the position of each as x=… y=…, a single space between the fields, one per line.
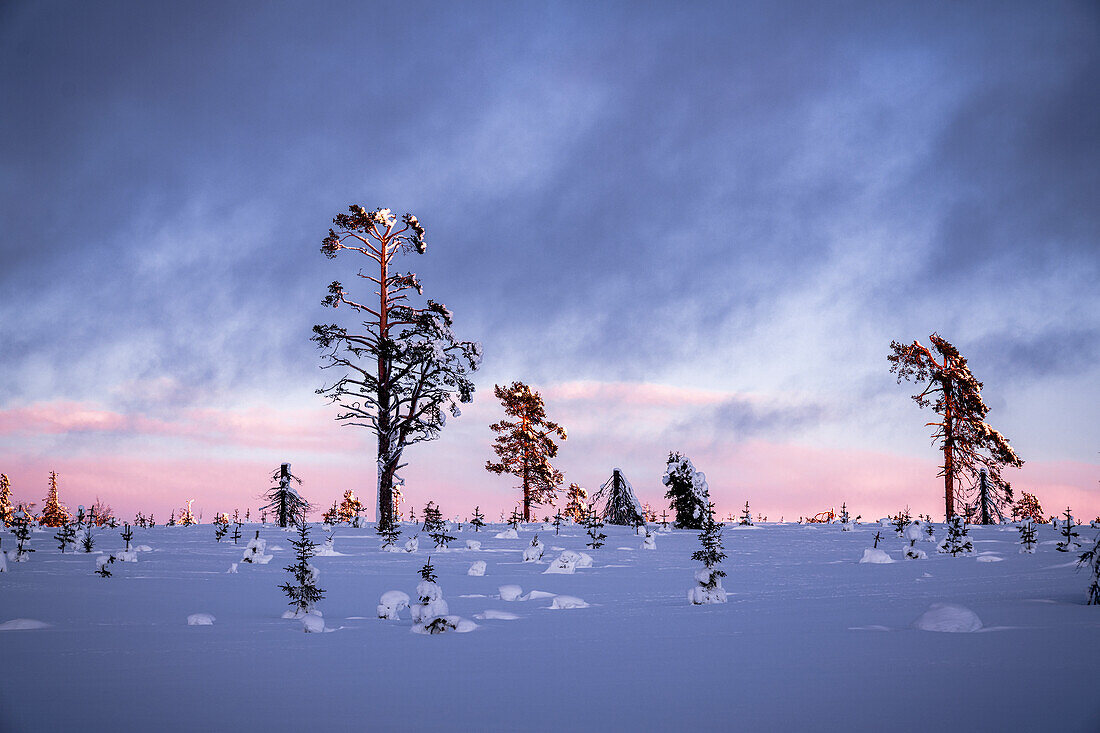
x=957 y=542
x=1069 y=537
x=845 y=526
x=221 y=526
x=709 y=577
x=433 y=518
x=66 y=535
x=746 y=516
x=479 y=519
x=87 y=543
x=303 y=592
x=593 y=524
x=390 y=532
x=878 y=536
x=515 y=519
x=1091 y=560
x=22 y=531
x=1027 y=537
x=236 y=532
x=557 y=522
x=127 y=535
x=441 y=537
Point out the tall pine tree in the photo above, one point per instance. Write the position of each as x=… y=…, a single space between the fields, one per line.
x=526 y=444
x=53 y=513
x=6 y=508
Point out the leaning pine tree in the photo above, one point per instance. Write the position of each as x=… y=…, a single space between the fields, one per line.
x=968 y=443
x=7 y=511
x=404 y=367
x=688 y=493
x=621 y=504
x=526 y=444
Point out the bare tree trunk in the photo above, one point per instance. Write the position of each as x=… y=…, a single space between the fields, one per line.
x=948 y=454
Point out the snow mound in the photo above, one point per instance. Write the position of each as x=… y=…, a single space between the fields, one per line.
x=508 y=534
x=989 y=558
x=126 y=556
x=650 y=542
x=565 y=602
x=232 y=569
x=143 y=548
x=431 y=603
x=875 y=556
x=490 y=613
x=445 y=624
x=412 y=544
x=476 y=568
x=536 y=594
x=391 y=602
x=296 y=614
x=23 y=624
x=200 y=619
x=948 y=618
x=313 y=623
x=913 y=532
x=510 y=592
x=473 y=545
x=254 y=552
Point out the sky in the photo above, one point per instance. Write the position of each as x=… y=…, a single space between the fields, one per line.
x=691 y=227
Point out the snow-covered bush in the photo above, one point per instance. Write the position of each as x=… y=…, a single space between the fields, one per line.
x=477 y=568
x=413 y=543
x=508 y=534
x=510 y=592
x=473 y=545
x=391 y=602
x=914 y=532
x=687 y=493
x=875 y=556
x=566 y=602
x=254 y=551
x=650 y=541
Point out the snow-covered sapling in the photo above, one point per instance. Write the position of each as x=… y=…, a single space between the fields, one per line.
x=429 y=595
x=101 y=564
x=845 y=524
x=901 y=520
x=664 y=520
x=303 y=592
x=221 y=526
x=557 y=522
x=66 y=535
x=515 y=519
x=709 y=577
x=254 y=551
x=1069 y=537
x=956 y=542
x=913 y=533
x=1027 y=537
x=878 y=536
x=1091 y=560
x=534 y=552
x=479 y=519
x=593 y=524
x=433 y=518
x=746 y=516
x=236 y=532
x=127 y=535
x=929 y=530
x=87 y=543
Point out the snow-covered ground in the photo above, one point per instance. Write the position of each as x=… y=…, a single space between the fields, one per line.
x=810 y=640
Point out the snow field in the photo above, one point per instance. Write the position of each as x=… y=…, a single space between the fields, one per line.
x=786 y=652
